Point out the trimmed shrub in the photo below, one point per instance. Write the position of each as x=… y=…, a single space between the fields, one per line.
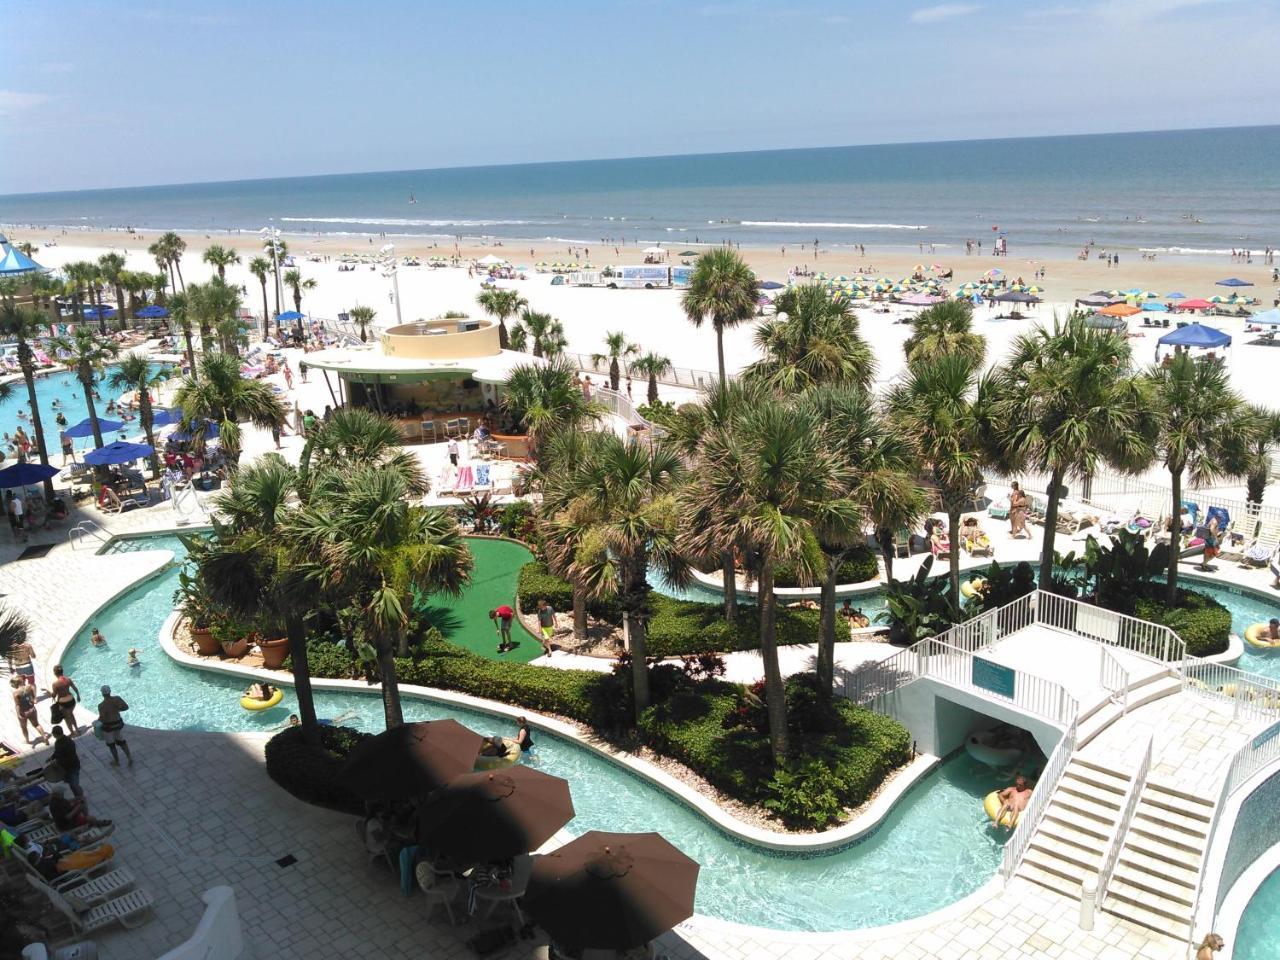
x=858 y=567
x=536 y=582
x=1201 y=621
x=679 y=627
x=311 y=774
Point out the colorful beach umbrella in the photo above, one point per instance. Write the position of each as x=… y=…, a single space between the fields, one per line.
x=85 y=427
x=1119 y=310
x=1234 y=282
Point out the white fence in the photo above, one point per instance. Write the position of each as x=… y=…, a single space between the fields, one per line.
x=688 y=377
x=1105 y=626
x=1250 y=695
x=1046 y=786
x=623 y=407
x=1121 y=830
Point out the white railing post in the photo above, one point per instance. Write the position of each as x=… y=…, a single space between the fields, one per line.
x=1112 y=855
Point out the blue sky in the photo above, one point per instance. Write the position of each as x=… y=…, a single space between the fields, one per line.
x=96 y=94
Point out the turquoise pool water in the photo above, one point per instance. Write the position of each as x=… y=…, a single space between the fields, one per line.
x=934 y=848
x=1258 y=936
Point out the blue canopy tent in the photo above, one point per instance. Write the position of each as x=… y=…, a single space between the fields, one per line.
x=118 y=452
x=210 y=432
x=290 y=316
x=152 y=311
x=1176 y=295
x=85 y=427
x=164 y=417
x=99 y=313
x=1155 y=306
x=1196 y=335
x=1270 y=318
x=23 y=474
x=1234 y=282
x=14 y=262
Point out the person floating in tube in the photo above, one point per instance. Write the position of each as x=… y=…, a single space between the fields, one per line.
x=1013 y=800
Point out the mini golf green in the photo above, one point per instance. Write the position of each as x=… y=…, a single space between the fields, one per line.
x=464 y=619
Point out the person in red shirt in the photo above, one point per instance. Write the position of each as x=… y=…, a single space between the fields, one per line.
x=502 y=618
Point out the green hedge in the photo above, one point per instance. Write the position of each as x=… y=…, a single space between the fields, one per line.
x=858 y=567
x=536 y=583
x=311 y=774
x=1201 y=621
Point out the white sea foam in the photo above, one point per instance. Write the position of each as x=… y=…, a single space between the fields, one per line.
x=835 y=225
x=404 y=222
x=1190 y=250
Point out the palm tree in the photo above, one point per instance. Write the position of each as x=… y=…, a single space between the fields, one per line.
x=82 y=275
x=813 y=339
x=653 y=366
x=623 y=497
x=15 y=629
x=22 y=324
x=294 y=281
x=356 y=435
x=85 y=353
x=1064 y=403
x=362 y=317
x=723 y=290
x=221 y=395
x=616 y=350
x=546 y=398
x=937 y=405
x=135 y=373
x=256 y=569
x=162 y=253
x=220 y=258
x=180 y=309
x=175 y=247
x=281 y=250
x=1266 y=434
x=213 y=305
x=377 y=552
x=1203 y=431
x=136 y=285
x=111 y=269
x=260 y=267
x=159 y=285
x=945 y=328
x=771 y=484
x=543 y=331
x=502 y=303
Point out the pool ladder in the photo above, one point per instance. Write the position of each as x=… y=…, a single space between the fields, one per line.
x=85 y=528
x=185 y=502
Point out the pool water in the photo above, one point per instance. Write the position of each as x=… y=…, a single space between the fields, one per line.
x=1258 y=936
x=1246 y=609
x=935 y=847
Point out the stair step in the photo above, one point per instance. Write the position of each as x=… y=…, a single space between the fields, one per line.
x=1178 y=805
x=1063 y=832
x=1184 y=872
x=1070 y=873
x=1049 y=880
x=1173 y=822
x=1087 y=807
x=1190 y=800
x=1160 y=888
x=1173 y=911
x=1074 y=860
x=1093 y=831
x=1178 y=930
x=1102 y=781
x=1163 y=844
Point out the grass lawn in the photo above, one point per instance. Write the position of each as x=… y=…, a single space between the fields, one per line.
x=464 y=620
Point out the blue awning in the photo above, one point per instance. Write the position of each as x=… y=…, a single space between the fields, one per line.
x=85 y=427
x=1196 y=335
x=21 y=474
x=14 y=261
x=1270 y=318
x=1234 y=282
x=289 y=316
x=152 y=311
x=118 y=452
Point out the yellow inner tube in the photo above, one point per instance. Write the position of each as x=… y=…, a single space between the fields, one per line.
x=991 y=804
x=972 y=588
x=249 y=703
x=506 y=760
x=1256 y=635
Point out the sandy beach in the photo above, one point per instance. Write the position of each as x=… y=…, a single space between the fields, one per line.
x=653 y=318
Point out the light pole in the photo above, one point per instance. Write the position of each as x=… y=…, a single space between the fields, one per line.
x=389 y=270
x=271 y=237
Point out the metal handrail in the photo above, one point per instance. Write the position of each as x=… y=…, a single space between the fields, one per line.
x=1113 y=678
x=1151 y=640
x=85 y=528
x=1249 y=694
x=1121 y=830
x=1032 y=694
x=1030 y=817
x=620 y=405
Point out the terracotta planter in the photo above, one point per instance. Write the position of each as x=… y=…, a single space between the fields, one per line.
x=274 y=653
x=206 y=646
x=235 y=649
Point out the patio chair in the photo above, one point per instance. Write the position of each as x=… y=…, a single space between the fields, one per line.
x=411 y=431
x=87 y=888
x=428 y=428
x=440 y=889
x=373 y=834
x=902 y=542
x=131 y=910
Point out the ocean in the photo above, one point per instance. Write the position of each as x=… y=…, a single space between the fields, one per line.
x=1192 y=192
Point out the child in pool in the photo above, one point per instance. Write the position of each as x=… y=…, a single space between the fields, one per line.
x=133 y=657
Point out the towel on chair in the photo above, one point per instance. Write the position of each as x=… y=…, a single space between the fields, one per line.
x=408 y=861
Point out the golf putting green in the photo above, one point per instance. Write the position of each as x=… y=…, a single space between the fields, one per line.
x=464 y=619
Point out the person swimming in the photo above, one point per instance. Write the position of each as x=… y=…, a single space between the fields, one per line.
x=133 y=658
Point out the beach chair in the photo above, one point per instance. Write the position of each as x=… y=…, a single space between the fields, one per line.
x=465 y=482
x=428 y=431
x=411 y=431
x=483 y=479
x=440 y=889
x=131 y=910
x=86 y=888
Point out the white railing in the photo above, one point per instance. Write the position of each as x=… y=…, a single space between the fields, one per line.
x=873 y=680
x=1106 y=626
x=1045 y=787
x=1114 y=679
x=677 y=376
x=1249 y=694
x=1121 y=829
x=623 y=407
x=85 y=528
x=1031 y=694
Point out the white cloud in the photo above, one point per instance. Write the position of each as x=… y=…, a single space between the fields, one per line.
x=943 y=11
x=12 y=102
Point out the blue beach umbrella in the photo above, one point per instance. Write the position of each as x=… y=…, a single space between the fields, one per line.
x=1175 y=296
x=164 y=417
x=289 y=316
x=22 y=474
x=118 y=452
x=770 y=285
x=99 y=313
x=85 y=428
x=152 y=311
x=210 y=432
x=1234 y=282
x=1155 y=306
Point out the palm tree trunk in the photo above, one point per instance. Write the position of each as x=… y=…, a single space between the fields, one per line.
x=144 y=414
x=653 y=389
x=613 y=374
x=191 y=350
x=1175 y=533
x=173 y=279
x=504 y=339
x=1255 y=490
x=775 y=692
x=120 y=304
x=266 y=319
x=579 y=613
x=1050 y=525
x=177 y=264
x=884 y=537
x=96 y=300
x=393 y=715
x=636 y=588
x=275 y=269
x=720 y=351
x=86 y=381
x=953 y=536
x=827 y=631
x=730 y=576
x=302 y=679
x=29 y=377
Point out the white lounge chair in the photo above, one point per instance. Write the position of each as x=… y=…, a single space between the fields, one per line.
x=131 y=910
x=439 y=888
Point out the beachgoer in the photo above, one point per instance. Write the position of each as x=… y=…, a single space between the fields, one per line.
x=1210 y=544
x=24 y=705
x=65 y=695
x=453 y=450
x=109 y=711
x=1209 y=947
x=1014 y=799
x=302 y=370
x=67 y=759
x=133 y=658
x=22 y=658
x=15 y=508
x=494 y=747
x=68 y=448
x=65 y=809
x=502 y=618
x=260 y=691
x=1273 y=629
x=524 y=736
x=308 y=423
x=97 y=639
x=546 y=624
x=288 y=376
x=1018 y=512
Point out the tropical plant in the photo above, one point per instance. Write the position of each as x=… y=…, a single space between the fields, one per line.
x=174 y=247
x=617 y=350
x=162 y=252
x=294 y=281
x=260 y=267
x=546 y=398
x=942 y=330
x=276 y=250
x=357 y=435
x=86 y=354
x=212 y=305
x=1064 y=404
x=14 y=631
x=920 y=607
x=22 y=324
x=1265 y=435
x=135 y=373
x=1203 y=431
x=1121 y=569
x=362 y=317
x=771 y=485
x=180 y=310
x=1004 y=585
x=652 y=366
x=502 y=303
x=221 y=395
x=111 y=269
x=541 y=331
x=723 y=291
x=812 y=339
x=219 y=257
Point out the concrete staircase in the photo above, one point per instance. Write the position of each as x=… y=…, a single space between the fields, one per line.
x=1101 y=715
x=1073 y=834
x=1154 y=885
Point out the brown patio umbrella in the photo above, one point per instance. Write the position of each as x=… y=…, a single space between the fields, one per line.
x=409 y=761
x=494 y=815
x=611 y=890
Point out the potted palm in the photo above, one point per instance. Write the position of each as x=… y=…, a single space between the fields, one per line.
x=233 y=638
x=198 y=608
x=274 y=652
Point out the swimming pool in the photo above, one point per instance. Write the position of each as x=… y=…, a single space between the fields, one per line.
x=1258 y=936
x=935 y=847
